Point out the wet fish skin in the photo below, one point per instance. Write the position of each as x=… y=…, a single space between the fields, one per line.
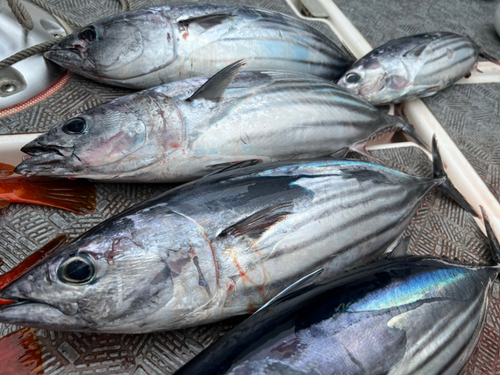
x=215 y=247
x=417 y=315
x=411 y=67
x=158 y=136
x=149 y=47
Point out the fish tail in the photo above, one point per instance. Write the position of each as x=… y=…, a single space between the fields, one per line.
x=481 y=52
x=446 y=184
x=21 y=353
x=76 y=196
x=487 y=56
x=494 y=244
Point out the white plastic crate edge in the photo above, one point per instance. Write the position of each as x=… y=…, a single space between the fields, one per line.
x=459 y=170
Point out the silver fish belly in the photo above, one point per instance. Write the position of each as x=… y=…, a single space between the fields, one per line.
x=411 y=67
x=160 y=135
x=218 y=247
x=150 y=47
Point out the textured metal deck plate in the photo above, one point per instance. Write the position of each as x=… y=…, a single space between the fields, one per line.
x=441 y=228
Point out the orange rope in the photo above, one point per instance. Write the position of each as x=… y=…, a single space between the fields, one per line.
x=59 y=84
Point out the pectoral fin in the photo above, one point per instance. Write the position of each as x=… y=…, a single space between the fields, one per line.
x=254 y=225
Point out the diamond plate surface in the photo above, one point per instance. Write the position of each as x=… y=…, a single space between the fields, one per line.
x=441 y=228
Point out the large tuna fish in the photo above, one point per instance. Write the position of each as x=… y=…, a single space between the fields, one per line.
x=408 y=315
x=219 y=246
x=170 y=134
x=150 y=47
x=412 y=67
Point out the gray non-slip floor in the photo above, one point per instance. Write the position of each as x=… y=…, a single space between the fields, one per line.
x=468 y=112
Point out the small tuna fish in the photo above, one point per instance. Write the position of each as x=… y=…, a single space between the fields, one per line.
x=409 y=315
x=78 y=197
x=219 y=246
x=150 y=47
x=412 y=67
x=184 y=130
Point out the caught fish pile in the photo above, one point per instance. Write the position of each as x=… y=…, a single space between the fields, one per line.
x=239 y=105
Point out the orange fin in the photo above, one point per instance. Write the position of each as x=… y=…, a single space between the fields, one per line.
x=21 y=353
x=6 y=169
x=31 y=262
x=76 y=196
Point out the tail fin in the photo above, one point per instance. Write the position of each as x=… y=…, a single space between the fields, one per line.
x=447 y=185
x=21 y=353
x=487 y=56
x=494 y=245
x=406 y=127
x=76 y=196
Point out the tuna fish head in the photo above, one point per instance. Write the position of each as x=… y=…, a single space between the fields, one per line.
x=124 y=276
x=376 y=78
x=118 y=46
x=105 y=140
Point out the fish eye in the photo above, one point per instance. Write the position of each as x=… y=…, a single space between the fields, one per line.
x=89 y=34
x=78 y=269
x=352 y=78
x=77 y=125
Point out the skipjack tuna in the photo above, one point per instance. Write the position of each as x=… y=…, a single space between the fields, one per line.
x=404 y=315
x=412 y=67
x=220 y=246
x=78 y=197
x=150 y=47
x=181 y=131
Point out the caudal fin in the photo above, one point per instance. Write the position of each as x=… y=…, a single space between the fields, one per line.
x=447 y=185
x=76 y=196
x=21 y=353
x=487 y=56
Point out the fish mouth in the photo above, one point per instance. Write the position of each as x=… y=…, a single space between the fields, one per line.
x=43 y=159
x=65 y=54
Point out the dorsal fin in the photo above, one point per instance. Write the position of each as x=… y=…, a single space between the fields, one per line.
x=302 y=283
x=494 y=244
x=31 y=262
x=417 y=50
x=401 y=249
x=256 y=224
x=214 y=88
x=234 y=166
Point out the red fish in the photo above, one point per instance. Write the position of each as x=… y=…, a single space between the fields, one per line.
x=78 y=197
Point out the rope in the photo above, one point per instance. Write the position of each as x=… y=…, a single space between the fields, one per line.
x=54 y=12
x=21 y=14
x=33 y=50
